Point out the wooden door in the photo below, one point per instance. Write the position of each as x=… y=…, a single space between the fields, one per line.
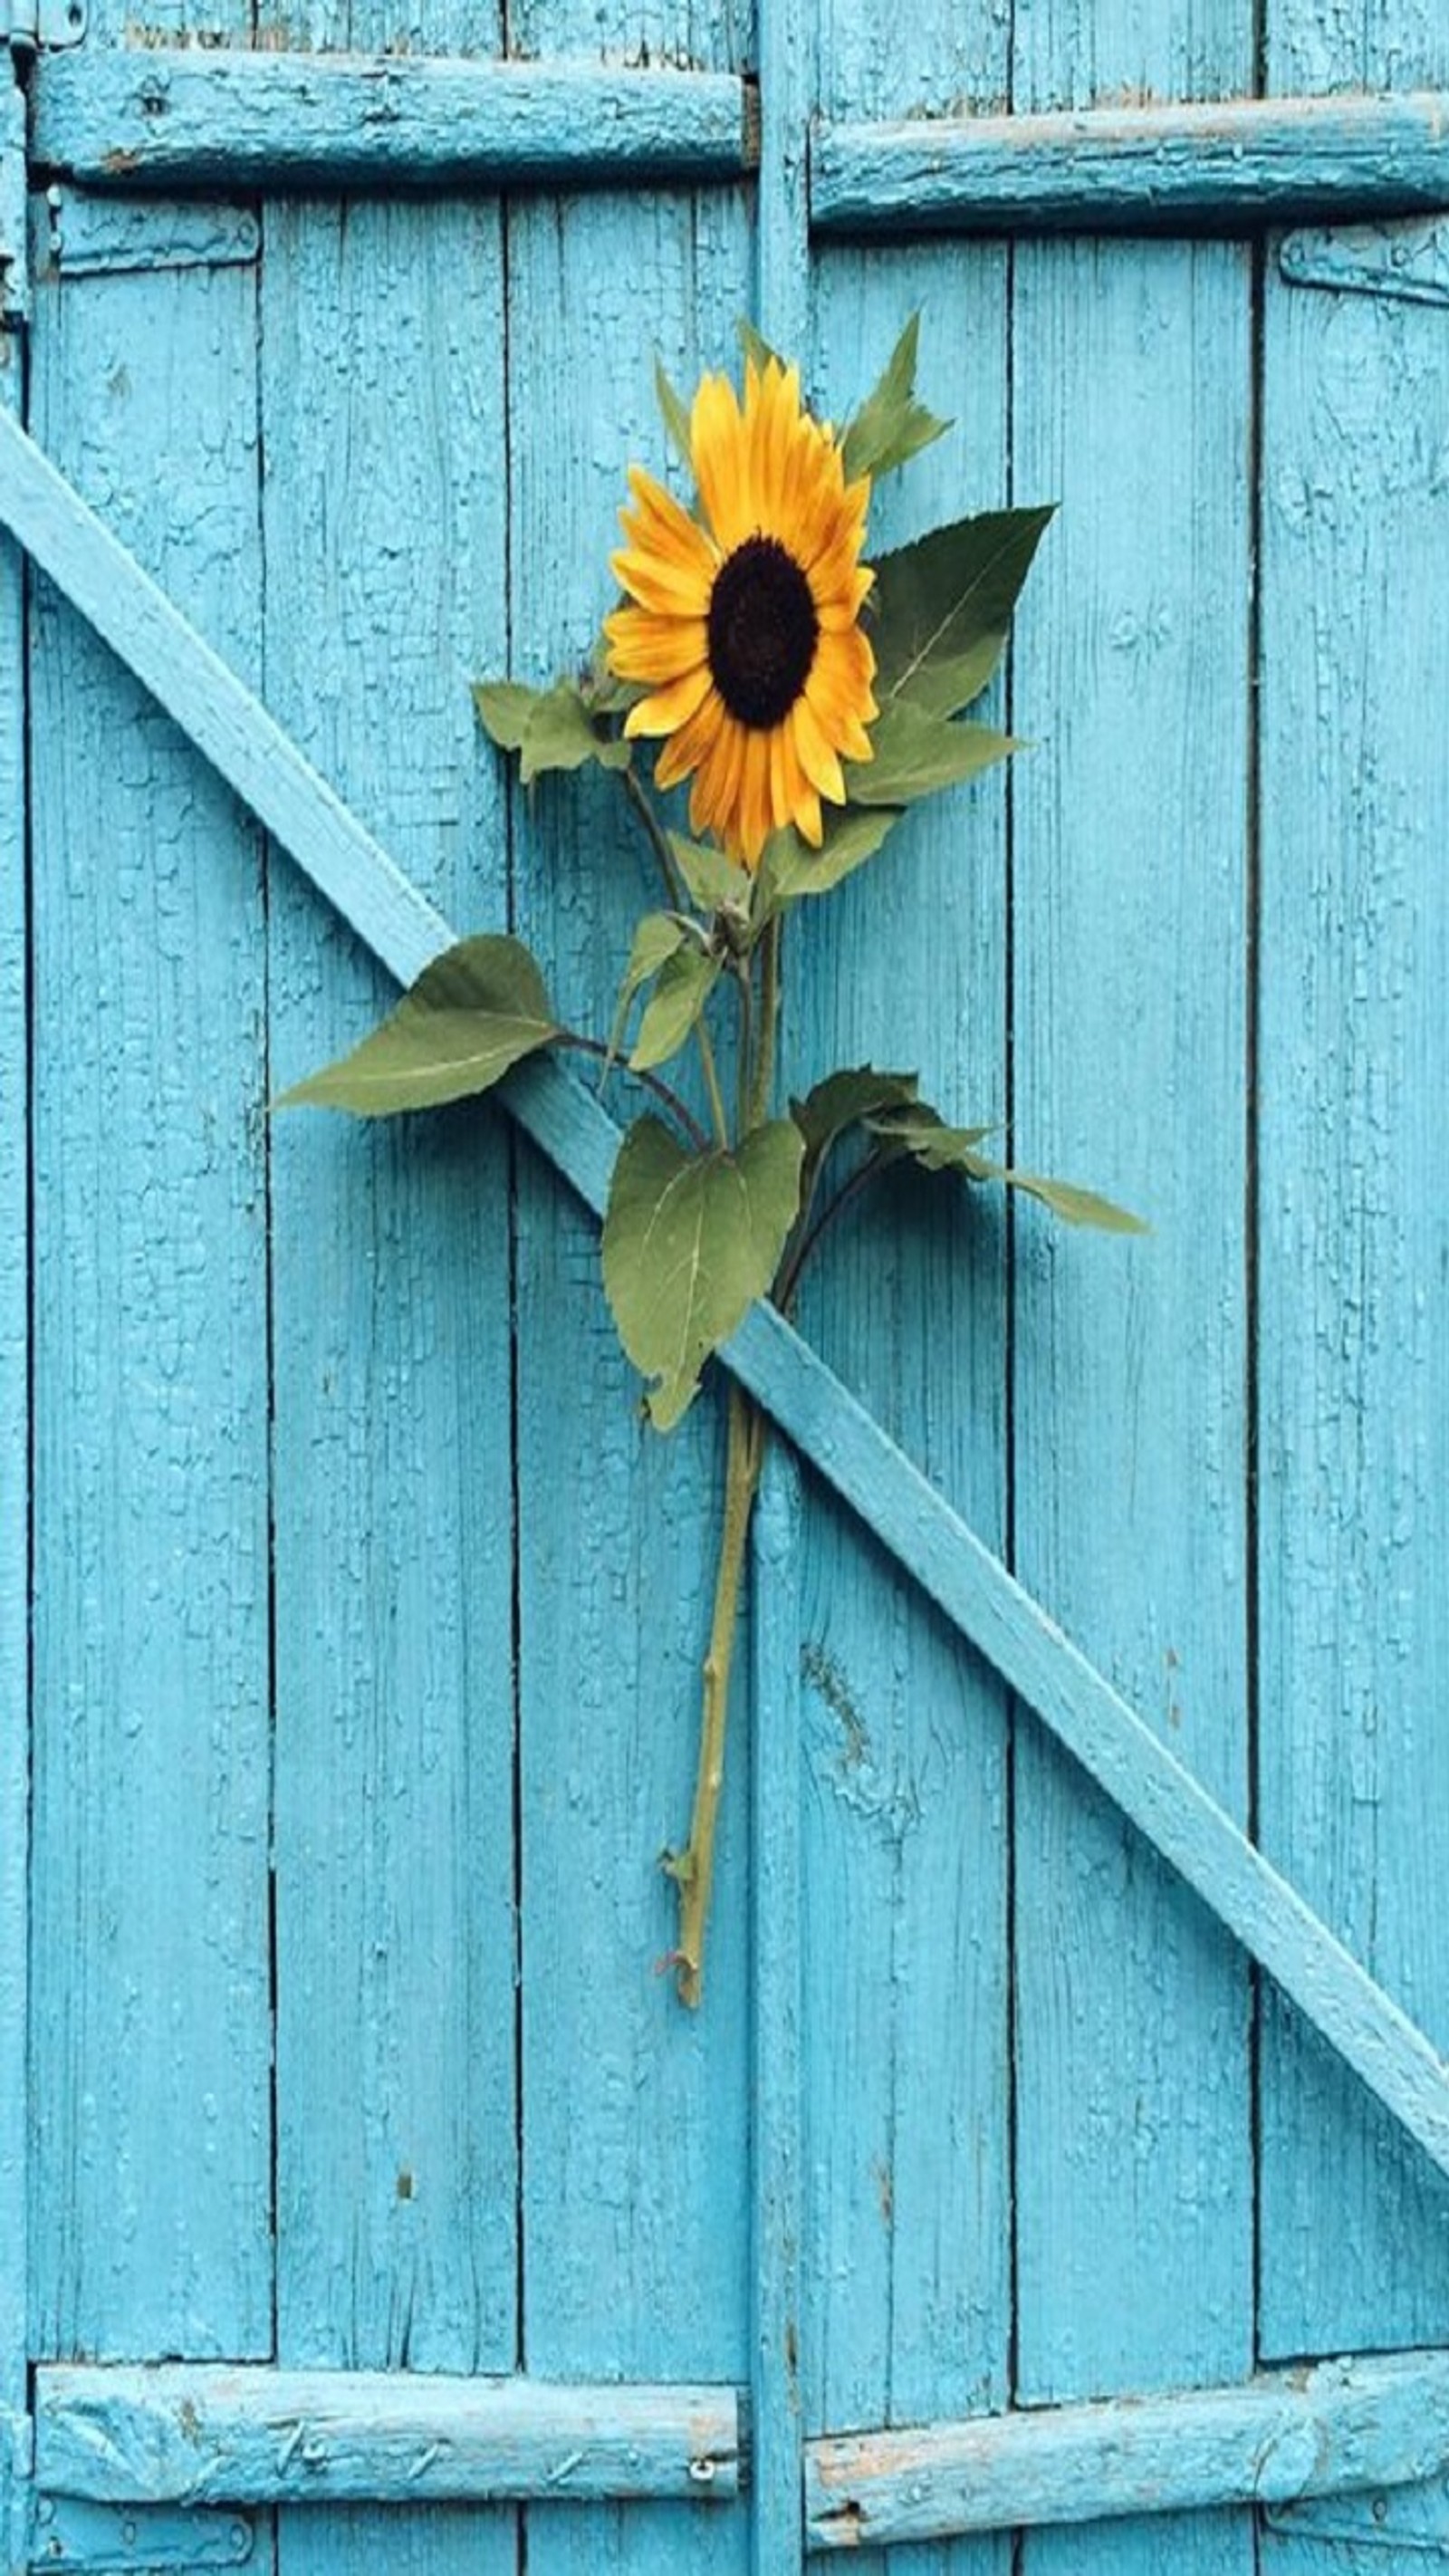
x=377 y=2205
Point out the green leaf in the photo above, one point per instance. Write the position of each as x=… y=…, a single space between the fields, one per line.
x=755 y=348
x=790 y=868
x=690 y=1241
x=656 y=938
x=686 y=981
x=844 y=1099
x=890 y=426
x=550 y=728
x=922 y=1133
x=475 y=1011
x=713 y=881
x=915 y=753
x=943 y=606
x=675 y=412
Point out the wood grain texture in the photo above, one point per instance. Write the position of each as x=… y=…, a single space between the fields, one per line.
x=636 y=2113
x=1224 y=167
x=151 y=2063
x=777 y=2072
x=1354 y=1250
x=1131 y=391
x=14 y=1495
x=1342 y=2428
x=384 y=419
x=179 y=2434
x=907 y=2168
x=158 y=118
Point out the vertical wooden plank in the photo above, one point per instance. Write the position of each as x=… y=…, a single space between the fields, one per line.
x=14 y=1494
x=907 y=2164
x=1132 y=376
x=384 y=418
x=777 y=2142
x=1354 y=1242
x=152 y=2044
x=636 y=2113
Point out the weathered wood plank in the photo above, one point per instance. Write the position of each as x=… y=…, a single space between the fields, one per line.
x=1335 y=2429
x=777 y=2034
x=1353 y=1431
x=183 y=2434
x=851 y=1453
x=14 y=1491
x=907 y=2205
x=151 y=2068
x=1225 y=166
x=157 y=117
x=383 y=330
x=636 y=2113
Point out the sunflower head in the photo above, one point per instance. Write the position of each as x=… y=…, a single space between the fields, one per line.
x=744 y=621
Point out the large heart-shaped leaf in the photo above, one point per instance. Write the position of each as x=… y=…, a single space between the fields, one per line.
x=474 y=1012
x=943 y=606
x=690 y=1241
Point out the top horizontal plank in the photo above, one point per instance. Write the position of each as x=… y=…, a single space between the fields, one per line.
x=187 y=116
x=1225 y=167
x=841 y=1441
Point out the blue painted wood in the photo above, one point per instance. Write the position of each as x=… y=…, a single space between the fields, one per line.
x=1131 y=365
x=151 y=2207
x=1228 y=164
x=1346 y=2429
x=894 y=1500
x=74 y=2538
x=14 y=1527
x=636 y=2113
x=1353 y=1429
x=179 y=2433
x=908 y=2222
x=382 y=331
x=159 y=117
x=777 y=2144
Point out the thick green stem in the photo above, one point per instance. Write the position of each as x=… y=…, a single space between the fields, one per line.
x=693 y=1868
x=769 y=1012
x=658 y=839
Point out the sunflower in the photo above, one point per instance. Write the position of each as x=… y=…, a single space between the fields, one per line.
x=745 y=620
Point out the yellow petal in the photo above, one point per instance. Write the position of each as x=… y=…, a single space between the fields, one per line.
x=817 y=757
x=643 y=646
x=671 y=707
x=686 y=749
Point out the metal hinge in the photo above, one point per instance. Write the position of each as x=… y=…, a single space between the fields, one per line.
x=35 y=26
x=1404 y=263
x=1408 y=2518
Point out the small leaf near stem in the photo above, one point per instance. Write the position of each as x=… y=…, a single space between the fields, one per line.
x=693 y=1868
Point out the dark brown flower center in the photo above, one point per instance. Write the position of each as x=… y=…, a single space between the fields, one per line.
x=762 y=631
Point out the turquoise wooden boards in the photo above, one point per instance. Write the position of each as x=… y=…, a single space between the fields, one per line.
x=1353 y=1421
x=14 y=1509
x=636 y=2144
x=151 y=2073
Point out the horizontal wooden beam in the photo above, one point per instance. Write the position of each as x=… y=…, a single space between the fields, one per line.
x=166 y=117
x=1336 y=2429
x=1225 y=167
x=207 y=2434
x=837 y=1438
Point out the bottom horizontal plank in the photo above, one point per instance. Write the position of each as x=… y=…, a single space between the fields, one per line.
x=181 y=2433
x=1328 y=2429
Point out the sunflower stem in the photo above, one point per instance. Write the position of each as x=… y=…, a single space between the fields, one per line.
x=658 y=840
x=769 y=1014
x=693 y=1868
x=711 y=1084
x=609 y=1057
